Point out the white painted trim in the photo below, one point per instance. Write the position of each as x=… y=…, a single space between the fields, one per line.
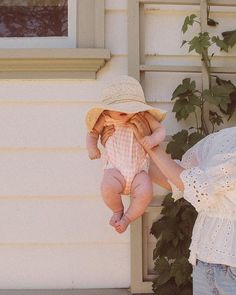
x=189 y=2
x=52 y=63
x=186 y=69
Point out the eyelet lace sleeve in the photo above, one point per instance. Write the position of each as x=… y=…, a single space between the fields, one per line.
x=176 y=193
x=198 y=188
x=210 y=171
x=189 y=159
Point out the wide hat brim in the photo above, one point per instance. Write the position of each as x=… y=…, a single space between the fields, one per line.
x=127 y=107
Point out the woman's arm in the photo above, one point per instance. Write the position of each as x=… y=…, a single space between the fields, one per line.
x=169 y=168
x=157 y=176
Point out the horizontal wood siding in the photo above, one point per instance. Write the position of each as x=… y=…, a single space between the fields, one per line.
x=54 y=225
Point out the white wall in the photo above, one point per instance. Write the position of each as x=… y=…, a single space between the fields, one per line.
x=54 y=229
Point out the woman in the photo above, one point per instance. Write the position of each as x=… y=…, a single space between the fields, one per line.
x=206 y=177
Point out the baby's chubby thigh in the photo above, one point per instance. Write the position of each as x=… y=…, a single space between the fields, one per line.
x=142 y=188
x=141 y=195
x=113 y=182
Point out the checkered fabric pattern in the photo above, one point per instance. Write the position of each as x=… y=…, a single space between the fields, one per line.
x=123 y=152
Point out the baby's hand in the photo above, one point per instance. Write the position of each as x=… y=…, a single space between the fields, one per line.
x=94 y=154
x=147 y=142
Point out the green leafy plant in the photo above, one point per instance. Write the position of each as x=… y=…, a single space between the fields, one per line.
x=174 y=229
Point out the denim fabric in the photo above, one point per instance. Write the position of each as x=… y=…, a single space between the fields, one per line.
x=217 y=279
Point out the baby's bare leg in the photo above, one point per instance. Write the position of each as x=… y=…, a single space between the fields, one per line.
x=112 y=186
x=141 y=193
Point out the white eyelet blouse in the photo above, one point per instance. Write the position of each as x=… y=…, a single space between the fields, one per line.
x=209 y=182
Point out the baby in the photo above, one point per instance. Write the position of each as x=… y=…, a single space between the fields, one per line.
x=126 y=162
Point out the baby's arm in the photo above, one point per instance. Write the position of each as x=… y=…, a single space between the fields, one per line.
x=92 y=139
x=158 y=132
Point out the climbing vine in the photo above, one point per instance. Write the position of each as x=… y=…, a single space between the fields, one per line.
x=174 y=229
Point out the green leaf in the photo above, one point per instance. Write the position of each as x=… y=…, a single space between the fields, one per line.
x=231 y=106
x=168 y=200
x=220 y=43
x=221 y=90
x=162 y=268
x=157 y=228
x=181 y=136
x=160 y=250
x=169 y=288
x=226 y=83
x=200 y=43
x=186 y=88
x=181 y=142
x=183 y=108
x=223 y=106
x=215 y=118
x=184 y=42
x=230 y=38
x=194 y=138
x=187 y=292
x=195 y=100
x=176 y=147
x=175 y=242
x=168 y=235
x=171 y=210
x=186 y=227
x=173 y=252
x=180 y=235
x=181 y=270
x=189 y=20
x=189 y=214
x=219 y=96
x=208 y=96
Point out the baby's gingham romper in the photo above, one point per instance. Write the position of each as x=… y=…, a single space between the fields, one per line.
x=123 y=152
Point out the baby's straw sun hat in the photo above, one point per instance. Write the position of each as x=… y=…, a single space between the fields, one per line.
x=123 y=94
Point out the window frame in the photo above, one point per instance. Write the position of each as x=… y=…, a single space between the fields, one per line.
x=81 y=62
x=47 y=41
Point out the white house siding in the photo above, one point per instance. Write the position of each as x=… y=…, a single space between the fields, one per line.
x=54 y=229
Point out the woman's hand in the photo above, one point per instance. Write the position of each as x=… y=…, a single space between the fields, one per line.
x=106 y=133
x=140 y=127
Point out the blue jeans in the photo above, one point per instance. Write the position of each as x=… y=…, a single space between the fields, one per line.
x=217 y=279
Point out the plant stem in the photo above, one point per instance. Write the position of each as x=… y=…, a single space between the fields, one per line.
x=213 y=128
x=204 y=128
x=203 y=123
x=196 y=120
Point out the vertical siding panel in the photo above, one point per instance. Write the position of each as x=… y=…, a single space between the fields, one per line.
x=133 y=39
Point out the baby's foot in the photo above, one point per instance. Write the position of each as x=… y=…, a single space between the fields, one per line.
x=121 y=225
x=116 y=217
